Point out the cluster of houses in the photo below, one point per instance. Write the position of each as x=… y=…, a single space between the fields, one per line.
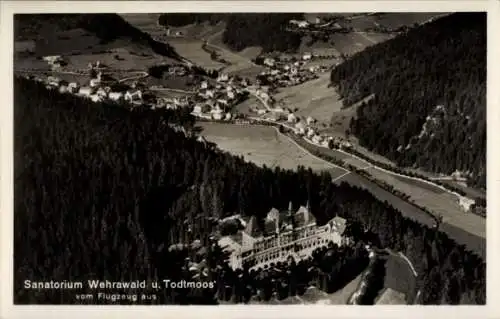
x=172 y=103
x=215 y=101
x=55 y=61
x=95 y=91
x=286 y=72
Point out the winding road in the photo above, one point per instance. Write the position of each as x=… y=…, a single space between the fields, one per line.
x=371 y=165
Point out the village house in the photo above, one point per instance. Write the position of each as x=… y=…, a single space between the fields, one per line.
x=310 y=132
x=275 y=72
x=96 y=81
x=230 y=95
x=52 y=58
x=217 y=115
x=307 y=56
x=269 y=62
x=115 y=96
x=228 y=116
x=310 y=120
x=291 y=118
x=262 y=111
x=197 y=109
x=96 y=98
x=223 y=77
x=317 y=139
x=102 y=92
x=299 y=23
x=85 y=91
x=133 y=95
x=53 y=81
x=300 y=128
x=63 y=87
x=73 y=87
x=204 y=85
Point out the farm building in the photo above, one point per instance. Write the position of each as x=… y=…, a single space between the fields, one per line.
x=222 y=77
x=63 y=88
x=261 y=111
x=217 y=115
x=133 y=95
x=115 y=96
x=300 y=24
x=52 y=58
x=291 y=118
x=310 y=132
x=317 y=139
x=54 y=81
x=102 y=92
x=85 y=91
x=96 y=98
x=197 y=109
x=204 y=85
x=307 y=56
x=73 y=87
x=310 y=120
x=269 y=61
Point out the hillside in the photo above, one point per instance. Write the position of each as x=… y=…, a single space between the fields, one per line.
x=102 y=192
x=106 y=27
x=429 y=109
x=243 y=30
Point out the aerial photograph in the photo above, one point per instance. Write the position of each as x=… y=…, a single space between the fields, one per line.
x=250 y=158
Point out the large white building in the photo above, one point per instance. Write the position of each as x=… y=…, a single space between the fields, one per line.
x=285 y=234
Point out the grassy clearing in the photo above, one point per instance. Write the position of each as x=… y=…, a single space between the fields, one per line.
x=391 y=297
x=400 y=279
x=191 y=50
x=440 y=202
x=263 y=146
x=79 y=47
x=313 y=98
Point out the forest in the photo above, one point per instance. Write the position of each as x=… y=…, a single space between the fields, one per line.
x=243 y=30
x=429 y=105
x=106 y=26
x=102 y=192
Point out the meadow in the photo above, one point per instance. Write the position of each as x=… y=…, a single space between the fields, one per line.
x=436 y=200
x=263 y=145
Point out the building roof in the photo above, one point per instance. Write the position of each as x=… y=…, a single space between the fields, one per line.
x=338 y=223
x=252 y=227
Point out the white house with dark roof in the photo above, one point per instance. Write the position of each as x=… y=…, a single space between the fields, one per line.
x=285 y=234
x=116 y=96
x=133 y=95
x=85 y=91
x=73 y=87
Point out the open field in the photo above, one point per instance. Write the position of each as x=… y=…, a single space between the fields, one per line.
x=191 y=50
x=78 y=48
x=391 y=297
x=389 y=20
x=462 y=235
x=240 y=61
x=263 y=146
x=399 y=278
x=313 y=98
x=437 y=201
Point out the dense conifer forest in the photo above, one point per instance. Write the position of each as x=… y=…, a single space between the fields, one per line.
x=243 y=30
x=105 y=193
x=429 y=108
